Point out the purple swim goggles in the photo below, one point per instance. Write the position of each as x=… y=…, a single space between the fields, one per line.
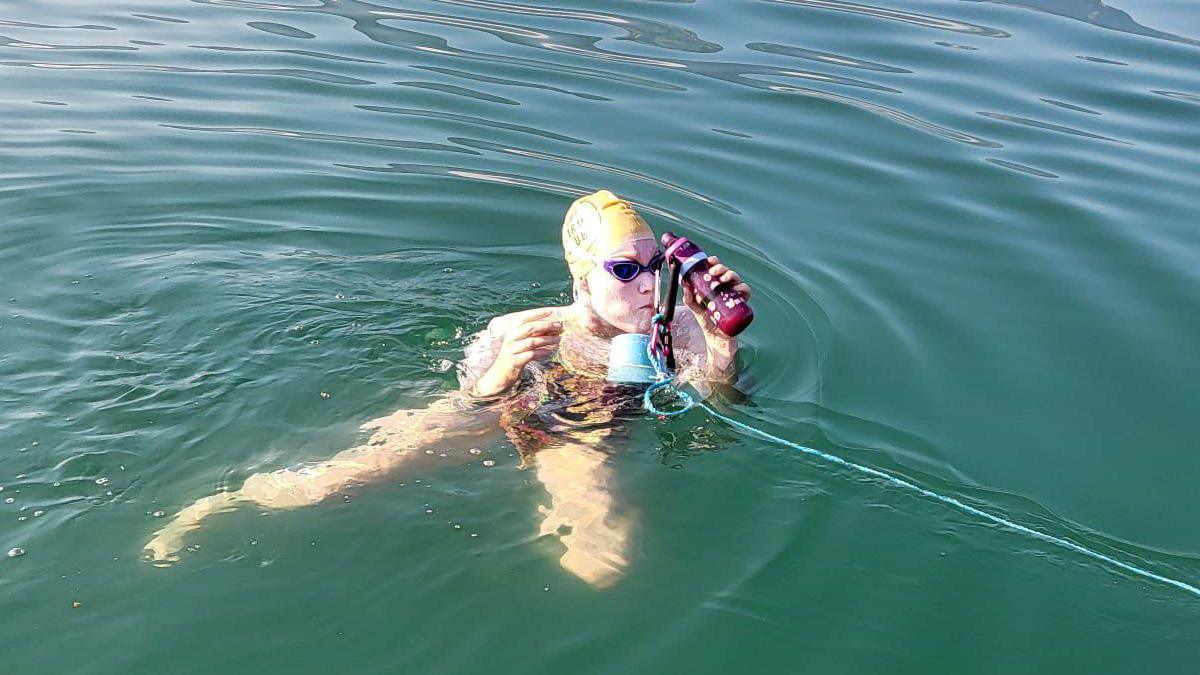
x=624 y=269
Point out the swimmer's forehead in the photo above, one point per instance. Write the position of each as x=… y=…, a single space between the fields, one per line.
x=635 y=248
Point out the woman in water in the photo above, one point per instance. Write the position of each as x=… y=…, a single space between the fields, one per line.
x=539 y=377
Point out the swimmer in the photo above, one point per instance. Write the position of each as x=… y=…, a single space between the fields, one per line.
x=536 y=377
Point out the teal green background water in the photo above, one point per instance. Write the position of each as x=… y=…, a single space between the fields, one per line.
x=971 y=231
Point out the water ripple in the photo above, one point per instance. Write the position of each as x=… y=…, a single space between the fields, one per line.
x=281 y=29
x=453 y=72
x=1179 y=96
x=458 y=91
x=604 y=169
x=163 y=19
x=1070 y=106
x=639 y=30
x=336 y=138
x=368 y=19
x=475 y=121
x=26 y=24
x=297 y=52
x=1099 y=14
x=825 y=57
x=1038 y=124
x=1021 y=168
x=21 y=44
x=923 y=20
x=182 y=282
x=296 y=73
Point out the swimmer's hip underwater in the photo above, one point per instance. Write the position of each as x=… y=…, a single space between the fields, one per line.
x=615 y=262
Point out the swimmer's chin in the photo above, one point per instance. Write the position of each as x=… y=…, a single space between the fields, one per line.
x=641 y=320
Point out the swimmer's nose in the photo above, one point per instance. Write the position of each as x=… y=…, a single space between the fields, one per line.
x=645 y=283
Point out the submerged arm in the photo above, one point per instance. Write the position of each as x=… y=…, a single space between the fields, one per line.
x=450 y=422
x=578 y=479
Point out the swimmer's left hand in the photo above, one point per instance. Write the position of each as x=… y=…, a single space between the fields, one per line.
x=695 y=301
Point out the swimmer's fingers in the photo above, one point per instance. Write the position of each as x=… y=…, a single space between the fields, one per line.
x=525 y=358
x=721 y=271
x=535 y=343
x=534 y=328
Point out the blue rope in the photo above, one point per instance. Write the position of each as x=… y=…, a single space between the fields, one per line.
x=648 y=403
x=957 y=504
x=667 y=381
x=664 y=379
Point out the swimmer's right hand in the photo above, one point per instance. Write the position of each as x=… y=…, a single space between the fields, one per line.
x=534 y=338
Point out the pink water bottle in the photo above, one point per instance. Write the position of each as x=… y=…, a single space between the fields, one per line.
x=726 y=307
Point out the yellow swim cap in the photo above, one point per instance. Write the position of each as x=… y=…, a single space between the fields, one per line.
x=595 y=225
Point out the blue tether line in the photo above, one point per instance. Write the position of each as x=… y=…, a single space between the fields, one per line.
x=667 y=381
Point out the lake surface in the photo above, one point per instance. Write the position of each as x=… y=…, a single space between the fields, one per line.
x=232 y=231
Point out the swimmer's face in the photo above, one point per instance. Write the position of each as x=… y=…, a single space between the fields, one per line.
x=626 y=305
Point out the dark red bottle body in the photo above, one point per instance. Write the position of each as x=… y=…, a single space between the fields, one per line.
x=726 y=307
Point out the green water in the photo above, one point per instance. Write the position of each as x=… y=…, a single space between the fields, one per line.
x=971 y=232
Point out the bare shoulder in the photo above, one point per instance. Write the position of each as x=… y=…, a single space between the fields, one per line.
x=503 y=323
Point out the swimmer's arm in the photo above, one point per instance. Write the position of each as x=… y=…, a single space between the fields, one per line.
x=495 y=360
x=480 y=354
x=720 y=358
x=714 y=354
x=719 y=362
